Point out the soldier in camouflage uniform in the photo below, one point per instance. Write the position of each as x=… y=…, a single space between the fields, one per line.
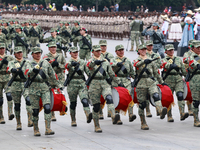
x=75 y=33
x=152 y=55
x=3 y=37
x=76 y=85
x=174 y=80
x=157 y=37
x=85 y=51
x=194 y=65
x=108 y=56
x=58 y=64
x=20 y=66
x=4 y=78
x=135 y=31
x=147 y=85
x=6 y=31
x=39 y=89
x=22 y=36
x=124 y=75
x=99 y=86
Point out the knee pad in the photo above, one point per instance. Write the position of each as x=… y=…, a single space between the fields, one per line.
x=143 y=105
x=156 y=97
x=109 y=99
x=47 y=108
x=35 y=112
x=179 y=96
x=84 y=101
x=17 y=106
x=96 y=107
x=73 y=105
x=9 y=96
x=195 y=104
x=1 y=101
x=28 y=103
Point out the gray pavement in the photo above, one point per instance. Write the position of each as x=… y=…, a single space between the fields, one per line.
x=162 y=135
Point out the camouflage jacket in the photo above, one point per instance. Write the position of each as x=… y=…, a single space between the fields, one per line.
x=74 y=29
x=107 y=68
x=3 y=38
x=107 y=56
x=146 y=80
x=135 y=25
x=60 y=59
x=39 y=83
x=8 y=30
x=37 y=29
x=27 y=29
x=78 y=79
x=82 y=45
x=4 y=76
x=22 y=35
x=123 y=76
x=186 y=58
x=62 y=34
x=153 y=56
x=174 y=76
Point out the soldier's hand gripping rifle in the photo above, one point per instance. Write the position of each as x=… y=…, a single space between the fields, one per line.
x=35 y=32
x=26 y=31
x=67 y=34
x=155 y=35
x=76 y=32
x=62 y=48
x=85 y=41
x=21 y=41
x=4 y=31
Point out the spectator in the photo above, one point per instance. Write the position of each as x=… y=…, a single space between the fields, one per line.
x=117 y=7
x=190 y=7
x=105 y=9
x=184 y=7
x=166 y=10
x=112 y=8
x=142 y=9
x=137 y=9
x=54 y=7
x=64 y=7
x=88 y=10
x=41 y=7
x=71 y=8
x=146 y=10
x=93 y=9
x=170 y=9
x=81 y=9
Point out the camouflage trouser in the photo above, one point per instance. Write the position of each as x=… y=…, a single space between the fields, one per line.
x=61 y=77
x=9 y=44
x=75 y=90
x=85 y=54
x=143 y=96
x=141 y=38
x=75 y=41
x=34 y=41
x=135 y=37
x=3 y=85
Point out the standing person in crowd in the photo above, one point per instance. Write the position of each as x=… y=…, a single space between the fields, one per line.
x=197 y=25
x=64 y=7
x=137 y=9
x=165 y=27
x=105 y=9
x=117 y=7
x=142 y=9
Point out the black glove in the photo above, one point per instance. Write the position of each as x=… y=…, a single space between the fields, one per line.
x=164 y=84
x=121 y=85
x=119 y=64
x=147 y=61
x=64 y=48
x=5 y=61
x=198 y=66
x=98 y=62
x=149 y=27
x=61 y=88
x=74 y=63
x=55 y=63
x=36 y=70
x=71 y=40
x=163 y=43
x=14 y=70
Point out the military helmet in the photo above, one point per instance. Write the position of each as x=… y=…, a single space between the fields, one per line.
x=18 y=26
x=53 y=30
x=196 y=43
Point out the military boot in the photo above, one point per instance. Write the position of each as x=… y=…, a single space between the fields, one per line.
x=2 y=121
x=190 y=108
x=196 y=119
x=183 y=115
x=48 y=130
x=144 y=125
x=157 y=113
x=73 y=118
x=161 y=110
x=148 y=113
x=88 y=114
x=30 y=122
x=169 y=116
x=132 y=117
x=10 y=110
x=119 y=122
x=19 y=125
x=131 y=48
x=53 y=117
x=35 y=128
x=101 y=113
x=111 y=110
x=95 y=117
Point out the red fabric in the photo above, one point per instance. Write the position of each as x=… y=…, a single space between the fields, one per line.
x=163 y=65
x=56 y=76
x=135 y=63
x=45 y=57
x=102 y=100
x=184 y=59
x=135 y=100
x=190 y=62
x=188 y=27
x=111 y=63
x=0 y=59
x=26 y=71
x=7 y=69
x=189 y=94
x=167 y=96
x=66 y=67
x=88 y=65
x=158 y=71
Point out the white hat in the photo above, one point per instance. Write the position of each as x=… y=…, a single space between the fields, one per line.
x=54 y=4
x=198 y=9
x=190 y=12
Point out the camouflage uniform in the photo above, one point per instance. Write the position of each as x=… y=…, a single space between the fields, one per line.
x=4 y=78
x=174 y=80
x=194 y=83
x=6 y=31
x=3 y=37
x=99 y=86
x=39 y=89
x=76 y=87
x=75 y=33
x=147 y=85
x=124 y=76
x=18 y=86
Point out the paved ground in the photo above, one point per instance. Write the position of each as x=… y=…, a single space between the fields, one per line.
x=162 y=135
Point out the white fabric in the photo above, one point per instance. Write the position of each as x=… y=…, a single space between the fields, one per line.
x=187 y=18
x=165 y=27
x=64 y=8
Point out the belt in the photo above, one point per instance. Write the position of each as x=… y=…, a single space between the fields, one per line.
x=99 y=78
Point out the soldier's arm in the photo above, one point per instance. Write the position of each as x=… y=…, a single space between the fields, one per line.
x=183 y=70
x=157 y=75
x=46 y=40
x=63 y=62
x=86 y=69
x=10 y=66
x=158 y=64
x=138 y=63
x=193 y=63
x=112 y=74
x=132 y=72
x=165 y=64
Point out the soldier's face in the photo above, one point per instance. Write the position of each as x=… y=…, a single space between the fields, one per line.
x=197 y=50
x=155 y=27
x=120 y=52
x=18 y=30
x=149 y=47
x=53 y=49
x=61 y=24
x=82 y=32
x=74 y=55
x=103 y=48
x=75 y=24
x=36 y=56
x=2 y=51
x=53 y=33
x=97 y=53
x=142 y=51
x=18 y=55
x=170 y=52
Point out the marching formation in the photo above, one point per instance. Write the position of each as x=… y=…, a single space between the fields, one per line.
x=97 y=79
